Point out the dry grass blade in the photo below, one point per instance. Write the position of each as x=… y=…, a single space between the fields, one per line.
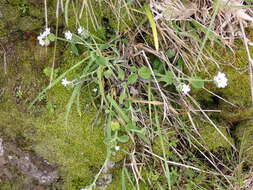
x=5 y=60
x=249 y=59
x=213 y=124
x=148 y=102
x=181 y=165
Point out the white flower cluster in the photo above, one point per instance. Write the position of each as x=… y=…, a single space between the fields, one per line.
x=221 y=80
x=43 y=41
x=43 y=37
x=68 y=35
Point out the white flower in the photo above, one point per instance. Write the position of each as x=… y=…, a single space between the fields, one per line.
x=43 y=41
x=117 y=148
x=46 y=32
x=94 y=90
x=221 y=80
x=68 y=35
x=80 y=30
x=186 y=88
x=65 y=82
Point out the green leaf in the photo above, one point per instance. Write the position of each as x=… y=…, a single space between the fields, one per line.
x=101 y=60
x=115 y=126
x=104 y=46
x=132 y=78
x=132 y=127
x=118 y=109
x=108 y=140
x=51 y=37
x=125 y=41
x=100 y=32
x=144 y=72
x=133 y=69
x=170 y=53
x=108 y=73
x=138 y=131
x=123 y=139
x=158 y=65
x=47 y=71
x=121 y=74
x=143 y=137
x=180 y=64
x=197 y=82
x=74 y=49
x=168 y=77
x=122 y=96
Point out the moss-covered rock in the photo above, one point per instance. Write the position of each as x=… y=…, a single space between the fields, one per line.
x=234 y=65
x=77 y=147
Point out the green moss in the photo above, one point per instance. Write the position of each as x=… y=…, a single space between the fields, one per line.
x=100 y=17
x=235 y=66
x=28 y=24
x=77 y=147
x=213 y=139
x=242 y=114
x=244 y=134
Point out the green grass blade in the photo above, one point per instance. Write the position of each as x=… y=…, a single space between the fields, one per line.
x=153 y=26
x=66 y=10
x=118 y=109
x=75 y=92
x=208 y=32
x=100 y=82
x=167 y=170
x=56 y=81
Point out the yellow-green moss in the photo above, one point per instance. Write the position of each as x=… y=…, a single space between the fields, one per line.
x=78 y=147
x=103 y=15
x=213 y=139
x=235 y=66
